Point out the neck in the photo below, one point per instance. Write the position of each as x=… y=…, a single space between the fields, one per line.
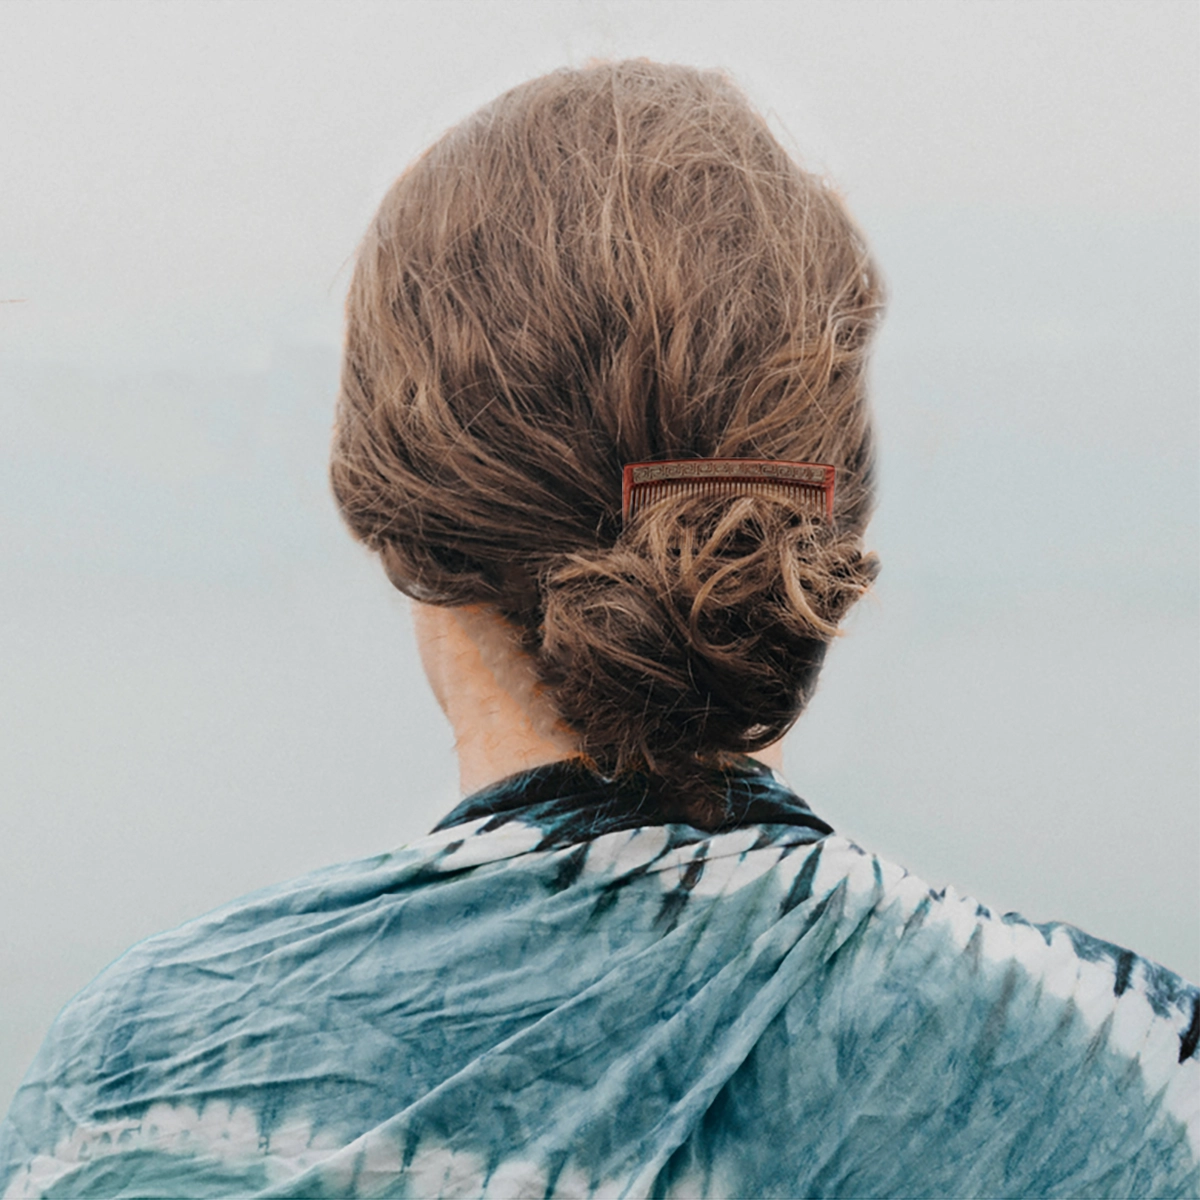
x=489 y=690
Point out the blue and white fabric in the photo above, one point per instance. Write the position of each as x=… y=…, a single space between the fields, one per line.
x=558 y=994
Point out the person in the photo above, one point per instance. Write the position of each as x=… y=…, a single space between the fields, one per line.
x=632 y=962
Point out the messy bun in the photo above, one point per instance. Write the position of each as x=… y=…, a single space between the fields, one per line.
x=604 y=266
x=702 y=629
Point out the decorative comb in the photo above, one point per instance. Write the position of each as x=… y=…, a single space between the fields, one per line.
x=807 y=485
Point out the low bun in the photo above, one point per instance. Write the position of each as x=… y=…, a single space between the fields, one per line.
x=699 y=634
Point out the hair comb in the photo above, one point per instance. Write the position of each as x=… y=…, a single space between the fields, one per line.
x=808 y=485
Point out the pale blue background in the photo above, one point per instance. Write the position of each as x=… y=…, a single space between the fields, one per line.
x=205 y=686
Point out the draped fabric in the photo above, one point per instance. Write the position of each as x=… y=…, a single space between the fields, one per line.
x=560 y=992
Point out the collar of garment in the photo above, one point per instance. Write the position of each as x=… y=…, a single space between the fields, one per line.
x=571 y=803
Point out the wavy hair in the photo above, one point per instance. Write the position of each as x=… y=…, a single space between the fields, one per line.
x=602 y=266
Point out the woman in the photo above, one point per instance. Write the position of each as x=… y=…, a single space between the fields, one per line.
x=632 y=961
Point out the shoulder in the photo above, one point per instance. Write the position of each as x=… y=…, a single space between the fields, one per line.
x=138 y=1061
x=1035 y=1052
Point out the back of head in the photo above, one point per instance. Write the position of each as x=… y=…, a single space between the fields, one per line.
x=604 y=266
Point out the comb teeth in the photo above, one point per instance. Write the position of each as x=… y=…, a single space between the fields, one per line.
x=809 y=486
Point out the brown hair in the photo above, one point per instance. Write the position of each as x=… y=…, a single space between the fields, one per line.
x=604 y=266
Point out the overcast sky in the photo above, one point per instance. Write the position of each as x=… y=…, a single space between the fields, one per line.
x=205 y=687
x=167 y=160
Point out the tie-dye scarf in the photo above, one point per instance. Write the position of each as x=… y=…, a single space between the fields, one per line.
x=557 y=994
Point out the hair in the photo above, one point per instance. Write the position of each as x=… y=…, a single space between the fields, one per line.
x=604 y=266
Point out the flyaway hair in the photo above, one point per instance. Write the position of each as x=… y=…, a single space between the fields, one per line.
x=606 y=266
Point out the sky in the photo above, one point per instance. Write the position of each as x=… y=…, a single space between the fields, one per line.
x=209 y=688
